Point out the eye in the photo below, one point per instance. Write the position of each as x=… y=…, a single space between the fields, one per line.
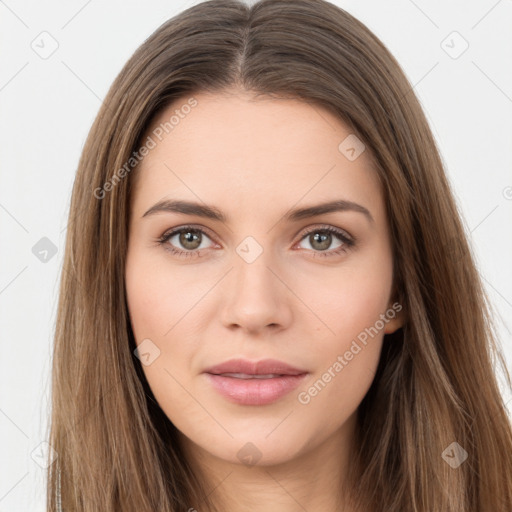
x=321 y=238
x=186 y=241
x=190 y=241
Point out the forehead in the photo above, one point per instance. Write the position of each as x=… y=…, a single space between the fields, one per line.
x=253 y=152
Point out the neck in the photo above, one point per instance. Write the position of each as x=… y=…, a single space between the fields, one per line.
x=314 y=480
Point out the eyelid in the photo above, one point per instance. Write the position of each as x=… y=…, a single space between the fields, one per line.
x=303 y=232
x=328 y=227
x=184 y=227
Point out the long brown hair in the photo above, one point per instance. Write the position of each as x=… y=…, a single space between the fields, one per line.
x=435 y=384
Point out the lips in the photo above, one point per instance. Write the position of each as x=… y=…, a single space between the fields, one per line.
x=254 y=382
x=250 y=376
x=253 y=368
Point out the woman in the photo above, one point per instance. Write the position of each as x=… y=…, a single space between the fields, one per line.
x=268 y=300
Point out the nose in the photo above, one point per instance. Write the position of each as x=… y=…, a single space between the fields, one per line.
x=256 y=297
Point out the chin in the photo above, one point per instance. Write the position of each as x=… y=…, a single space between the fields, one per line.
x=253 y=447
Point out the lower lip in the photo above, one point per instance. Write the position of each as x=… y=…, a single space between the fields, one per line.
x=255 y=391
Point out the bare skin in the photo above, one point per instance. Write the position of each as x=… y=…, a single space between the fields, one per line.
x=302 y=299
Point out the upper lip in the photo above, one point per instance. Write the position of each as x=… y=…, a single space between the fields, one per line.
x=262 y=367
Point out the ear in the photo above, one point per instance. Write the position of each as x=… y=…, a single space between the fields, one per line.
x=395 y=313
x=396 y=316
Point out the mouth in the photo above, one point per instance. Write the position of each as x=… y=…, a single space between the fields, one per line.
x=254 y=383
x=249 y=376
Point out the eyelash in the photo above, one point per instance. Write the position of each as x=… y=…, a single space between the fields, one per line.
x=348 y=243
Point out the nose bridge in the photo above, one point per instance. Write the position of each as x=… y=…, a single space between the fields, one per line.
x=253 y=281
x=253 y=275
x=256 y=298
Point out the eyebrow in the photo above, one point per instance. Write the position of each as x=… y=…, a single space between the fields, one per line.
x=211 y=212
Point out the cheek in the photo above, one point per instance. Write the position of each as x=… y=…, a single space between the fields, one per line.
x=159 y=295
x=163 y=308
x=339 y=387
x=345 y=365
x=351 y=299
x=149 y=301
x=352 y=304
x=158 y=303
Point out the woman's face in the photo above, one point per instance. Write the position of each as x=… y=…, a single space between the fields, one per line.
x=293 y=300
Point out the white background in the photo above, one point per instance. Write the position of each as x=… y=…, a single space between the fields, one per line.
x=47 y=107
